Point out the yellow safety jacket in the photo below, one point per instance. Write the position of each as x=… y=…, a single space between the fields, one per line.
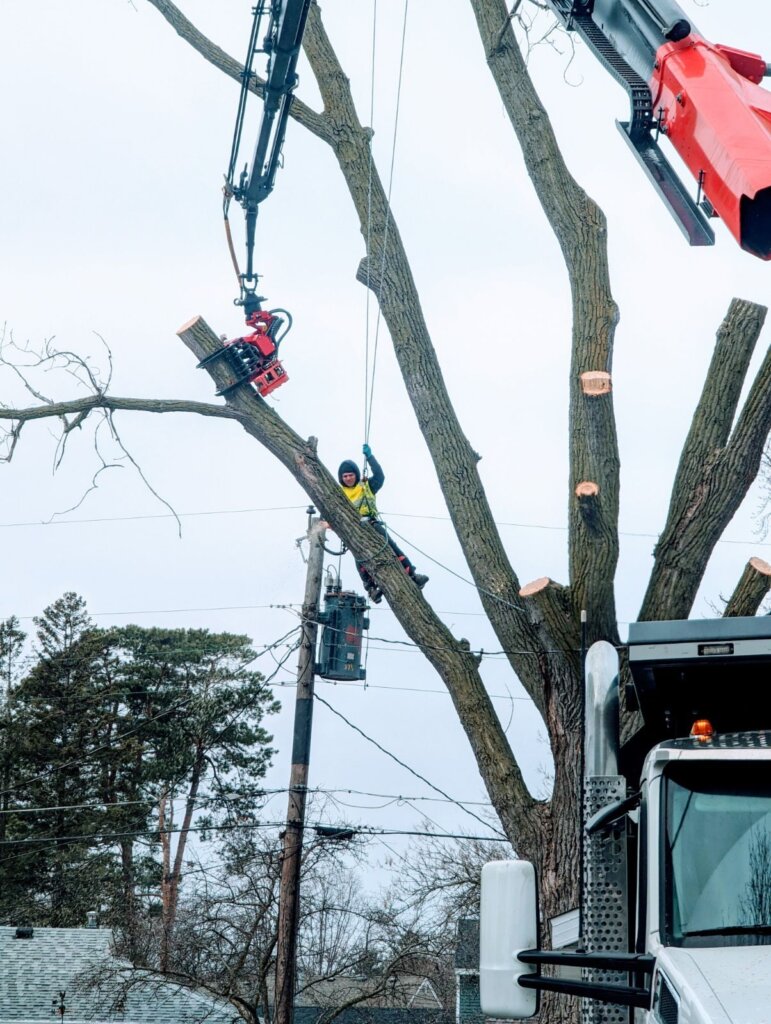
x=362 y=497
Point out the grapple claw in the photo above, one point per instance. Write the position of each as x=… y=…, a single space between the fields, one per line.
x=253 y=358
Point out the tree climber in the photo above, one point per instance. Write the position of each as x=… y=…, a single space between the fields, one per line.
x=361 y=494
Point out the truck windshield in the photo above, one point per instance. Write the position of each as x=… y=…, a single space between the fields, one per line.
x=717 y=855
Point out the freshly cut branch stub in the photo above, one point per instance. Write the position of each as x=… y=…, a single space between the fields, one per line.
x=753 y=586
x=535 y=586
x=587 y=489
x=596 y=382
x=760 y=565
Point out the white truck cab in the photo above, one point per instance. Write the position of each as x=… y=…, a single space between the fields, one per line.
x=675 y=921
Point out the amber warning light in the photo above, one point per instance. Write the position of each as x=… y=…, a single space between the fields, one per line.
x=702 y=729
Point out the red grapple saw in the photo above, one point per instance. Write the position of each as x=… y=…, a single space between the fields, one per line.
x=254 y=357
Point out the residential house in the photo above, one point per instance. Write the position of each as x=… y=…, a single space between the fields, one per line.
x=47 y=973
x=467 y=1008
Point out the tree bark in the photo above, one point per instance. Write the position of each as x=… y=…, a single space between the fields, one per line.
x=717 y=465
x=754 y=584
x=581 y=231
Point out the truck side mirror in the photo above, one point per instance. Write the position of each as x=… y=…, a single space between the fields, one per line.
x=508 y=925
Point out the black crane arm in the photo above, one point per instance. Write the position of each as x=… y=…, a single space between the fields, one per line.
x=282 y=44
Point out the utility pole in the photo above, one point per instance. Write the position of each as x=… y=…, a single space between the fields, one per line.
x=289 y=893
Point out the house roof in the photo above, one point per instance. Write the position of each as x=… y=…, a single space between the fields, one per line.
x=405 y=991
x=467 y=948
x=373 y=1015
x=33 y=971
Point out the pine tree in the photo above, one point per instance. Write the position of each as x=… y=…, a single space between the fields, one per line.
x=203 y=745
x=119 y=741
x=54 y=878
x=11 y=647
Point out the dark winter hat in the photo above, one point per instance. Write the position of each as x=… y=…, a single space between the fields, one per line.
x=348 y=466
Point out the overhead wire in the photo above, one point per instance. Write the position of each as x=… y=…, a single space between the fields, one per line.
x=403 y=764
x=463 y=579
x=394 y=515
x=153 y=515
x=481 y=653
x=364 y=830
x=175 y=611
x=291 y=683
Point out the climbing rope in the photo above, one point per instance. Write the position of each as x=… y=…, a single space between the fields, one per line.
x=369 y=224
x=370 y=372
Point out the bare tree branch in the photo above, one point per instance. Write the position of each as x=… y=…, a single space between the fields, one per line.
x=715 y=471
x=114 y=404
x=303 y=114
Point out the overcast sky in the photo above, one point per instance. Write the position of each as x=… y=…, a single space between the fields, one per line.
x=116 y=137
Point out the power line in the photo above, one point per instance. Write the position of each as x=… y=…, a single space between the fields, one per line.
x=174 y=611
x=289 y=683
x=158 y=515
x=74 y=807
x=293 y=508
x=564 y=529
x=463 y=579
x=316 y=790
x=480 y=652
x=412 y=771
x=367 y=830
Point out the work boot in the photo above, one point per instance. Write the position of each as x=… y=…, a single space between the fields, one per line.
x=420 y=580
x=375 y=594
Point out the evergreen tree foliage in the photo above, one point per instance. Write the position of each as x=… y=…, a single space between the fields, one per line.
x=11 y=660
x=56 y=721
x=115 y=743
